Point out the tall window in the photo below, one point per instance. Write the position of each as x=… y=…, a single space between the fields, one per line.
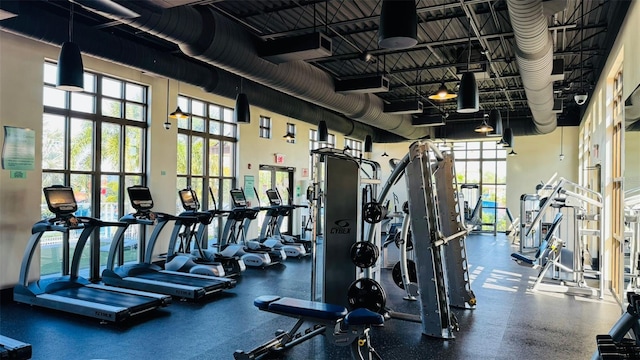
x=483 y=164
x=93 y=141
x=265 y=127
x=354 y=147
x=206 y=155
x=617 y=225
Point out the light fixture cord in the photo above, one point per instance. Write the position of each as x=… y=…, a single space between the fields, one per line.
x=168 y=113
x=71 y=22
x=469 y=50
x=581 y=41
x=561 y=138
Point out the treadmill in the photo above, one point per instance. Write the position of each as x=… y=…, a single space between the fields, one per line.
x=185 y=230
x=70 y=292
x=145 y=275
x=14 y=349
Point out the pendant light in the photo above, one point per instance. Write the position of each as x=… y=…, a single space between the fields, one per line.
x=368 y=144
x=495 y=118
x=443 y=94
x=468 y=97
x=398 y=28
x=484 y=127
x=241 y=111
x=70 y=68
x=178 y=113
x=513 y=153
x=507 y=136
x=289 y=136
x=323 y=132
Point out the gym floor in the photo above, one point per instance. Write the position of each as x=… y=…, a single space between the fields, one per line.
x=509 y=322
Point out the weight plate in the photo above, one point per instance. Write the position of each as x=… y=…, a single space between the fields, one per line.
x=372 y=212
x=364 y=254
x=367 y=293
x=396 y=273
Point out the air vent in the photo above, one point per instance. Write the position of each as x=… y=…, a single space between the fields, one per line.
x=369 y=84
x=432 y=120
x=403 y=107
x=303 y=47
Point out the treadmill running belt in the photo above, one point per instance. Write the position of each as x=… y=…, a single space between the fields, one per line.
x=133 y=302
x=183 y=280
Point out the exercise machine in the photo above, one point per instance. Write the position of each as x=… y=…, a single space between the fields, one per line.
x=471 y=205
x=144 y=274
x=623 y=340
x=570 y=263
x=276 y=212
x=344 y=328
x=234 y=242
x=14 y=349
x=70 y=292
x=186 y=244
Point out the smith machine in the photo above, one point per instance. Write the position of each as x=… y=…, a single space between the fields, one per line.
x=347 y=209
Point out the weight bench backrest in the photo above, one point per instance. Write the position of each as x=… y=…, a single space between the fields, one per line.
x=549 y=235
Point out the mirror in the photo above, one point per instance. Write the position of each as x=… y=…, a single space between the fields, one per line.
x=632 y=189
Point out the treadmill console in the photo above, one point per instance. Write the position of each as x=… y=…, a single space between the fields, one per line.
x=60 y=200
x=62 y=203
x=238 y=198
x=141 y=201
x=189 y=199
x=274 y=198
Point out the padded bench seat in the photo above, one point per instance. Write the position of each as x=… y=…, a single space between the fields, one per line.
x=363 y=316
x=521 y=258
x=301 y=308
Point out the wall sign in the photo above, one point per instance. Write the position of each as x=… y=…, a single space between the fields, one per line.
x=279 y=158
x=19 y=150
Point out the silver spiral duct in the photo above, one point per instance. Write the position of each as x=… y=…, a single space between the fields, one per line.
x=534 y=54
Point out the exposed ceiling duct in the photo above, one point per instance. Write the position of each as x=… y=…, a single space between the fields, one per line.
x=208 y=36
x=52 y=29
x=534 y=54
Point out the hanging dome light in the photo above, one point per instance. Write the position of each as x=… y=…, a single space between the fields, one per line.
x=323 y=132
x=241 y=111
x=398 y=28
x=468 y=98
x=443 y=94
x=483 y=128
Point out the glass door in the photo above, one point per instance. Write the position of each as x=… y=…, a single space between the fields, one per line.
x=280 y=178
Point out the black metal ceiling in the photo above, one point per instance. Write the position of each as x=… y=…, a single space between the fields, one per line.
x=447 y=30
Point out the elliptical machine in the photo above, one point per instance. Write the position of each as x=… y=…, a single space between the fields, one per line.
x=234 y=242
x=190 y=231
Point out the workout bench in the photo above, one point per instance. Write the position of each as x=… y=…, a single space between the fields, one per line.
x=349 y=328
x=547 y=243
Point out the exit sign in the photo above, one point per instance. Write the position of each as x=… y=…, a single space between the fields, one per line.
x=279 y=158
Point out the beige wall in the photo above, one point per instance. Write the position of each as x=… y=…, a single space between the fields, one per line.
x=538 y=160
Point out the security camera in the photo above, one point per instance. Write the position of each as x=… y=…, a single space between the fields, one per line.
x=167 y=125
x=580 y=98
